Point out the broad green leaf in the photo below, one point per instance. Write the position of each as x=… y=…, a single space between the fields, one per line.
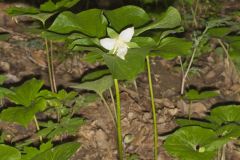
x=187 y=122
x=219 y=32
x=111 y=33
x=15 y=11
x=225 y=114
x=129 y=68
x=190 y=143
x=172 y=47
x=9 y=153
x=133 y=16
x=41 y=16
x=146 y=42
x=26 y=93
x=90 y=22
x=171 y=31
x=169 y=20
x=230 y=131
x=49 y=6
x=54 y=36
x=22 y=115
x=225 y=134
x=84 y=42
x=92 y=57
x=99 y=86
x=60 y=152
x=95 y=75
x=231 y=39
x=193 y=95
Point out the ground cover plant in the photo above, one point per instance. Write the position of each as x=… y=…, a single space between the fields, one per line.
x=121 y=52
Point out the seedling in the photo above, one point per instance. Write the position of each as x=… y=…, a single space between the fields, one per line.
x=194 y=95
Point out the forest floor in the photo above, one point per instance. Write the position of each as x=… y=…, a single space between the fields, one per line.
x=22 y=56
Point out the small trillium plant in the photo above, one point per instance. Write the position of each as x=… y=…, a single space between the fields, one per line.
x=119 y=44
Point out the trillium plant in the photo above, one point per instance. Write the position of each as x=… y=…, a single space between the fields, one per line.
x=124 y=46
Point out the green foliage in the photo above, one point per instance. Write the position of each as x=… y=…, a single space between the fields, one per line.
x=222 y=123
x=172 y=47
x=28 y=103
x=133 y=16
x=60 y=152
x=23 y=115
x=194 y=95
x=225 y=114
x=29 y=152
x=191 y=143
x=90 y=22
x=3 y=91
x=9 y=153
x=99 y=85
x=95 y=75
x=66 y=126
x=127 y=69
x=168 y=20
x=50 y=6
x=26 y=93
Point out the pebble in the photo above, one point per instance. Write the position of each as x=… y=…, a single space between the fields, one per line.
x=146 y=117
x=4 y=66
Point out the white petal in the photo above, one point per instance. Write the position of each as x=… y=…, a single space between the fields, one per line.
x=127 y=34
x=122 y=51
x=108 y=43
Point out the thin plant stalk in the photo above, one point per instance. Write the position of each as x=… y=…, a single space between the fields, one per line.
x=51 y=72
x=153 y=110
x=198 y=41
x=136 y=87
x=119 y=129
x=38 y=128
x=52 y=68
x=189 y=110
x=109 y=109
x=113 y=102
x=49 y=65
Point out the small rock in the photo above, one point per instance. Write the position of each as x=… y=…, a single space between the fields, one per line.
x=101 y=139
x=146 y=117
x=210 y=74
x=131 y=116
x=198 y=108
x=4 y=66
x=173 y=112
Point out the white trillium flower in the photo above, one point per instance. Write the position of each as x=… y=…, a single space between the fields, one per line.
x=119 y=44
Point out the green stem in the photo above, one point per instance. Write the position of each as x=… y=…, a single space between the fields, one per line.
x=153 y=110
x=38 y=128
x=119 y=130
x=109 y=110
